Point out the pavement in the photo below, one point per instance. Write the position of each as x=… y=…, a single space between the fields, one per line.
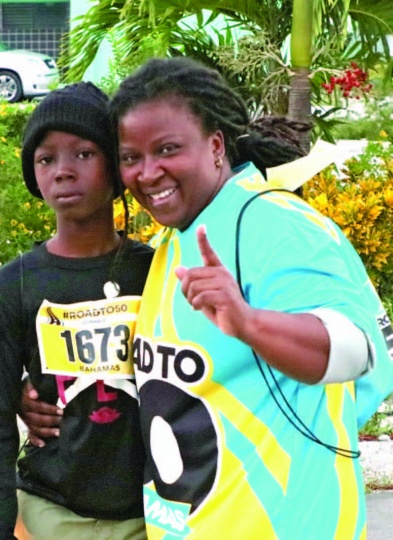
x=377 y=463
x=380 y=515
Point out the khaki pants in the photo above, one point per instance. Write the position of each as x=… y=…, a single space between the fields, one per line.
x=20 y=531
x=45 y=520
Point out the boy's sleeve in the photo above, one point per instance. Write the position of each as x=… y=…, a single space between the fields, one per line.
x=12 y=347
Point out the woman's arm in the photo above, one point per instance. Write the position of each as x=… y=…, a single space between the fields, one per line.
x=296 y=344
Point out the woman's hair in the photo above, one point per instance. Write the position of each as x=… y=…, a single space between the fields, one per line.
x=267 y=141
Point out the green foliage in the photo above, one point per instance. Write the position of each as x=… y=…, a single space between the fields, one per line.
x=263 y=70
x=388 y=303
x=375 y=426
x=377 y=117
x=344 y=30
x=23 y=218
x=119 y=67
x=255 y=63
x=13 y=118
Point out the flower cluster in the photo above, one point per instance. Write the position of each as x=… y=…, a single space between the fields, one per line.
x=141 y=224
x=353 y=83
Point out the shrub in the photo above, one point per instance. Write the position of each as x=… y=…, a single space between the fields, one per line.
x=23 y=218
x=13 y=120
x=376 y=117
x=361 y=203
x=376 y=426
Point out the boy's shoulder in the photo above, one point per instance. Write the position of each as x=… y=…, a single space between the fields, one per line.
x=11 y=276
x=136 y=248
x=14 y=265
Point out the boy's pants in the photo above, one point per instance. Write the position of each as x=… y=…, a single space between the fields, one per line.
x=45 y=520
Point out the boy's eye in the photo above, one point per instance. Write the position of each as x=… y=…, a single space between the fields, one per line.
x=85 y=154
x=44 y=160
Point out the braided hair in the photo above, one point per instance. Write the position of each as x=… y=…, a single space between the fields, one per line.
x=267 y=141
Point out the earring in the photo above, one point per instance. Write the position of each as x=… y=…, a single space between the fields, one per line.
x=218 y=162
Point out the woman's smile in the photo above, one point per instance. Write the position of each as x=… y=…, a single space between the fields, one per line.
x=161 y=196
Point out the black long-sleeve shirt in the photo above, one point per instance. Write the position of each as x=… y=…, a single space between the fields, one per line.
x=95 y=467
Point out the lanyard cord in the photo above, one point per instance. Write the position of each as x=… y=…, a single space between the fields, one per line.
x=296 y=422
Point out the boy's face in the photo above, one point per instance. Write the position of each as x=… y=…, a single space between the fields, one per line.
x=73 y=176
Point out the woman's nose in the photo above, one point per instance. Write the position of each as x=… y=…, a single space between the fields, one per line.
x=150 y=171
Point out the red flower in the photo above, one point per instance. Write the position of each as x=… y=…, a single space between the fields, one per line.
x=353 y=82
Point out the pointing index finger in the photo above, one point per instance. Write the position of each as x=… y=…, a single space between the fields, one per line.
x=209 y=256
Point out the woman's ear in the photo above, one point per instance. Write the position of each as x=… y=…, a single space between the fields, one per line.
x=218 y=145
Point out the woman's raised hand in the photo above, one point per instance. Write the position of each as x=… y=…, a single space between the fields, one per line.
x=213 y=290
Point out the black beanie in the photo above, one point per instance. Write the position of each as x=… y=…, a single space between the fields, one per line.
x=81 y=109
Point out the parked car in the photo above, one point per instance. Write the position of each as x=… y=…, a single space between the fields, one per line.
x=25 y=74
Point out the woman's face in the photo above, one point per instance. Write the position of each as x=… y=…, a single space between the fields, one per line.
x=168 y=162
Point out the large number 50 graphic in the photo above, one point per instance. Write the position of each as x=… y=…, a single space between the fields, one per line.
x=192 y=440
x=86 y=343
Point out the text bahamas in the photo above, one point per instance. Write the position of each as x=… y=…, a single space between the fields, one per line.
x=100 y=369
x=158 y=513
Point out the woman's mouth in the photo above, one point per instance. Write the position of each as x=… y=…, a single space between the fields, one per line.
x=157 y=197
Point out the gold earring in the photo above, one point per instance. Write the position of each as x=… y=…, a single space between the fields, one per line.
x=218 y=162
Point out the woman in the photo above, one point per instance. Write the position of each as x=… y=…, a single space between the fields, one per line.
x=246 y=344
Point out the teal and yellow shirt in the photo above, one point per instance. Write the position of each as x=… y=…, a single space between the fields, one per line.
x=224 y=458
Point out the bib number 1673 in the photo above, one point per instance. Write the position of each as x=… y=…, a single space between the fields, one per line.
x=89 y=345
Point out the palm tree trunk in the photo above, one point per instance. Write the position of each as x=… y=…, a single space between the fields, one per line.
x=301 y=53
x=300 y=93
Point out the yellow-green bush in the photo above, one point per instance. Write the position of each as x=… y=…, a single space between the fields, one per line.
x=361 y=203
x=13 y=118
x=23 y=218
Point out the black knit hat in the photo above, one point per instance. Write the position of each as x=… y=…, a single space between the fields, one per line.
x=81 y=109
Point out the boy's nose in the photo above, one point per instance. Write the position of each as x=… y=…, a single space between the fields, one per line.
x=64 y=169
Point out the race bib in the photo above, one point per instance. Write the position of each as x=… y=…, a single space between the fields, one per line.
x=91 y=338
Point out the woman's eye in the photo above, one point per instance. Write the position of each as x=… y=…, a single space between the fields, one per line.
x=129 y=159
x=169 y=149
